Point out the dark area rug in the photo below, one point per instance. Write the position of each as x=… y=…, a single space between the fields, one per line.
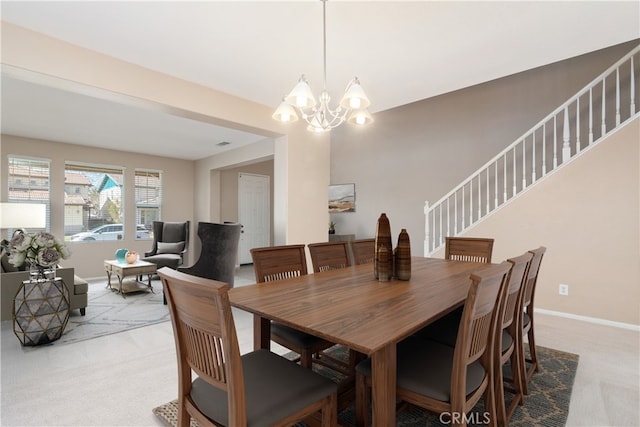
x=547 y=405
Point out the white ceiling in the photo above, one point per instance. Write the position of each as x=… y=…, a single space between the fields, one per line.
x=401 y=51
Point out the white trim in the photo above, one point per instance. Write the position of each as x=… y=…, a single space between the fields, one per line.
x=589 y=319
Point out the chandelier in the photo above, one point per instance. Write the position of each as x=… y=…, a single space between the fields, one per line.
x=319 y=116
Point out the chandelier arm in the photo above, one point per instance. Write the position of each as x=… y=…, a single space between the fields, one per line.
x=338 y=114
x=325 y=119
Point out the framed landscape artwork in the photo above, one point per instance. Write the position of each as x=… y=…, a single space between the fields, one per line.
x=342 y=198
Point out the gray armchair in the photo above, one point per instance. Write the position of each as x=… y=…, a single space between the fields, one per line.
x=170 y=244
x=219 y=252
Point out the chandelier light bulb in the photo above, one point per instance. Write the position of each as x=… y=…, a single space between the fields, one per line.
x=360 y=117
x=285 y=113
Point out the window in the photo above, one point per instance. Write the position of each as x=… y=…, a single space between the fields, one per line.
x=93 y=198
x=148 y=188
x=28 y=181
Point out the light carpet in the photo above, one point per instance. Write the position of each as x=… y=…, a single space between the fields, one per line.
x=108 y=312
x=547 y=405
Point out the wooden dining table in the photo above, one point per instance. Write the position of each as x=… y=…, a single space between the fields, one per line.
x=349 y=306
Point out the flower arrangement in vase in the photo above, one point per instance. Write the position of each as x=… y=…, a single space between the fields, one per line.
x=40 y=250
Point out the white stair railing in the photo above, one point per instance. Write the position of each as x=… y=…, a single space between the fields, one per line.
x=600 y=107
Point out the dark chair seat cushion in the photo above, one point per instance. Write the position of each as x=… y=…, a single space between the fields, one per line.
x=275 y=388
x=443 y=330
x=299 y=338
x=425 y=367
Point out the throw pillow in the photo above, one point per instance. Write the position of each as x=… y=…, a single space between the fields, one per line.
x=170 y=248
x=7 y=267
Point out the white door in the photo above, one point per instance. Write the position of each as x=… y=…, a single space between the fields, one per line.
x=254 y=213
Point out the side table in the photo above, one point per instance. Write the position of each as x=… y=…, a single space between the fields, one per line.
x=40 y=311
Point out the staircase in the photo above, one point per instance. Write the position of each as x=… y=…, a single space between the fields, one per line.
x=601 y=107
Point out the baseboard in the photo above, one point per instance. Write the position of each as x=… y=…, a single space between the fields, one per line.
x=595 y=320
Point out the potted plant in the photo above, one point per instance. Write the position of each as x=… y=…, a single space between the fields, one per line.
x=332 y=227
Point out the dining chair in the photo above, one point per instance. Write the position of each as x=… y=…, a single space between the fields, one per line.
x=527 y=323
x=443 y=379
x=257 y=388
x=328 y=255
x=473 y=249
x=363 y=251
x=507 y=340
x=282 y=262
x=470 y=249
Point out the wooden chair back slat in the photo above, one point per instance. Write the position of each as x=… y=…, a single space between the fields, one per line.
x=328 y=255
x=479 y=316
x=470 y=249
x=478 y=342
x=363 y=251
x=279 y=262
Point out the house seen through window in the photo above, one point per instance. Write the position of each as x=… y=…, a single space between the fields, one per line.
x=28 y=182
x=93 y=205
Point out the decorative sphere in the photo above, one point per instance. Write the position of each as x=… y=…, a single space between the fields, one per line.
x=132 y=257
